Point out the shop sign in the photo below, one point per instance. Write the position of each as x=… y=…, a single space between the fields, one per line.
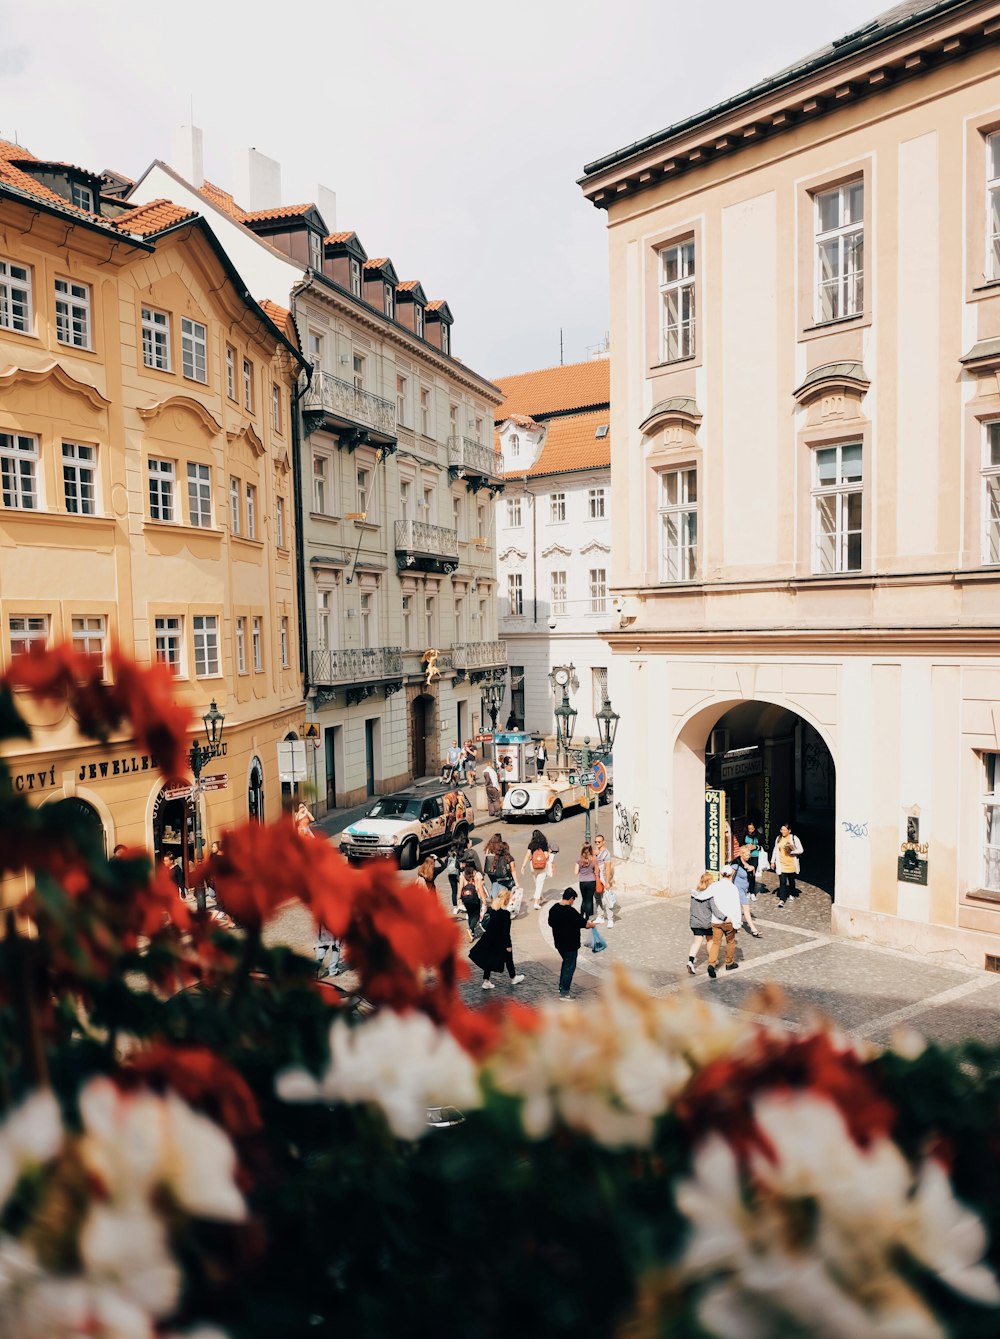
x=734 y=768
x=715 y=827
x=911 y=866
x=484 y=738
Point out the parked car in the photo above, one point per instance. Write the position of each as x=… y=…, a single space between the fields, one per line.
x=547 y=796
x=408 y=826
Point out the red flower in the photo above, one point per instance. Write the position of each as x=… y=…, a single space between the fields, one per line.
x=205 y=1081
x=146 y=696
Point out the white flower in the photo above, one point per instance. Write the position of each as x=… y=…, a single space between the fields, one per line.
x=31 y=1135
x=72 y=1308
x=402 y=1063
x=130 y=1246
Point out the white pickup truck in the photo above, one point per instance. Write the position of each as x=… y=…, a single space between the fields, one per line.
x=408 y=826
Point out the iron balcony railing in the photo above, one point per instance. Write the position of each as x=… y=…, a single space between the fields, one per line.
x=473 y=457
x=342 y=399
x=433 y=541
x=356 y=665
x=479 y=655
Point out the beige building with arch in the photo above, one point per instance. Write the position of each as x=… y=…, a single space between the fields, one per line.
x=146 y=501
x=805 y=334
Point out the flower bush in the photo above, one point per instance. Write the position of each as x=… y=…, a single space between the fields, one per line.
x=198 y=1139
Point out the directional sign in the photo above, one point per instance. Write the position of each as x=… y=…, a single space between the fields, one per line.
x=485 y=738
x=587 y=779
x=176 y=792
x=599 y=778
x=219 y=782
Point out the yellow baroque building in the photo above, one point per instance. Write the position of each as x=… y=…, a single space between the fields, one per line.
x=146 y=420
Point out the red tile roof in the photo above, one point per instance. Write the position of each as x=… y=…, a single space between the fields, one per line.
x=436 y=305
x=552 y=390
x=279 y=315
x=223 y=200
x=154 y=217
x=336 y=237
x=11 y=155
x=408 y=285
x=377 y=263
x=571 y=444
x=278 y=212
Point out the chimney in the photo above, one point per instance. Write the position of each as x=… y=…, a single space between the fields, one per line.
x=326 y=203
x=186 y=154
x=261 y=183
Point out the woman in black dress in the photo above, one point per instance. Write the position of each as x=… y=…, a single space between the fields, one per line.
x=494 y=952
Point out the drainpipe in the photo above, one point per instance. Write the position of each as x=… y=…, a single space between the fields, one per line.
x=300 y=557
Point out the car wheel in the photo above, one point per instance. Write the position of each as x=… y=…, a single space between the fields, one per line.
x=518 y=798
x=556 y=812
x=408 y=854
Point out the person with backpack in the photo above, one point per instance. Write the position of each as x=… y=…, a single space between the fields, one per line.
x=472 y=894
x=785 y=859
x=539 y=856
x=499 y=867
x=703 y=909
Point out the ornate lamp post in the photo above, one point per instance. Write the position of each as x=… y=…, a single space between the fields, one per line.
x=607 y=725
x=200 y=754
x=565 y=715
x=492 y=693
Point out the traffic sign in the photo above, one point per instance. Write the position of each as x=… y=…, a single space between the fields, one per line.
x=587 y=778
x=599 y=778
x=218 y=782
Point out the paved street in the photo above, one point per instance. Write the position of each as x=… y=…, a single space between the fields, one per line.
x=867 y=989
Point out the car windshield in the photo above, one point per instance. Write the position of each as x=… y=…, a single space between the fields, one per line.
x=395 y=806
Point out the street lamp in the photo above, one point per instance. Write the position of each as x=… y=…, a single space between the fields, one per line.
x=607 y=725
x=214 y=721
x=492 y=693
x=565 y=715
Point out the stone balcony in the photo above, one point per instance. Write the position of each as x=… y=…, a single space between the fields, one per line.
x=480 y=660
x=480 y=466
x=425 y=548
x=357 y=416
x=357 y=667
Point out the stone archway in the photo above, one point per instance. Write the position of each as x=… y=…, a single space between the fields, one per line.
x=423 y=725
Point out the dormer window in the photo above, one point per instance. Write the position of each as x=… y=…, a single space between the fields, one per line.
x=514 y=446
x=418 y=320
x=390 y=301
x=82 y=197
x=356 y=277
x=315 y=251
x=445 y=341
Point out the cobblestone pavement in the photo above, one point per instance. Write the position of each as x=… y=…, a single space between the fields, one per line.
x=867 y=989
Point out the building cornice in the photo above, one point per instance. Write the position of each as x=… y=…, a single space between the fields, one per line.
x=762 y=643
x=837 y=77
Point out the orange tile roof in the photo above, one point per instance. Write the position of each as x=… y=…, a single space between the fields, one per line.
x=408 y=285
x=377 y=263
x=279 y=315
x=336 y=237
x=552 y=390
x=436 y=305
x=153 y=217
x=223 y=200
x=278 y=212
x=10 y=173
x=571 y=444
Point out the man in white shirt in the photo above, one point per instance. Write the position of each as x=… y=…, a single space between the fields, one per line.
x=454 y=761
x=726 y=897
x=541 y=757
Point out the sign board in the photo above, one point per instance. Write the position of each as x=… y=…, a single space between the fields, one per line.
x=733 y=768
x=484 y=737
x=176 y=792
x=311 y=731
x=219 y=782
x=715 y=829
x=292 y=760
x=912 y=872
x=599 y=778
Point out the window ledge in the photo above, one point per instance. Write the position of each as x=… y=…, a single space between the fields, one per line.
x=323 y=516
x=209 y=531
x=836 y=321
x=99 y=522
x=282 y=549
x=246 y=540
x=674 y=362
x=984 y=895
x=370 y=526
x=990 y=286
x=74 y=348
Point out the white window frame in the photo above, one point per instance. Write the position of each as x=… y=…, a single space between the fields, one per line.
x=275 y=406
x=366 y=612
x=26 y=631
x=283 y=633
x=557 y=592
x=514 y=446
x=515 y=594
x=231 y=373
x=358 y=363
x=162 y=478
x=168 y=641
x=194 y=350
x=156 y=339
x=598 y=687
x=20 y=477
x=840 y=492
x=205 y=636
x=991 y=822
x=364 y=477
x=680 y=561
x=279 y=521
x=425 y=412
x=418 y=320
x=73 y=324
x=79 y=469
x=514 y=520
x=257 y=639
x=598 y=582
x=597 y=503
x=430 y=619
x=235 y=506
x=991 y=493
x=557 y=508
x=89 y=634
x=677 y=301
x=248 y=385
x=324 y=618
x=402 y=386
x=458 y=516
x=993 y=207
x=316 y=350
x=406 y=611
x=315 y=252
x=355 y=269
x=322 y=483
x=445 y=338
x=81 y=196
x=16 y=306
x=251 y=501
x=845 y=285
x=389 y=300
x=199 y=479
x=241 y=646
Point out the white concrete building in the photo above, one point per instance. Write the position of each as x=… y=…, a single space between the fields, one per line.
x=553 y=528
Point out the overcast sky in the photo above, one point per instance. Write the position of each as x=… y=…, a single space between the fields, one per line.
x=453 y=132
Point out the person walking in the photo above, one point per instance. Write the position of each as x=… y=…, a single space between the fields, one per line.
x=303 y=820
x=502 y=873
x=586 y=873
x=427 y=872
x=176 y=871
x=725 y=920
x=785 y=859
x=472 y=892
x=539 y=856
x=752 y=838
x=495 y=952
x=604 y=896
x=541 y=757
x=494 y=799
x=703 y=908
x=454 y=762
x=566 y=923
x=742 y=870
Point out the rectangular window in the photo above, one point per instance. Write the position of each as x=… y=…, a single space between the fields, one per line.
x=156 y=339
x=200 y=495
x=161 y=489
x=324 y=601
x=481 y=526
x=19 y=470
x=428 y=506
x=194 y=350
x=677 y=279
x=235 y=527
x=405 y=498
x=241 y=646
x=453 y=420
x=89 y=636
x=407 y=607
x=366 y=619
x=557 y=589
x=258 y=647
x=993 y=206
x=251 y=511
x=429 y=620
x=80 y=478
x=595 y=504
x=356 y=277
x=678 y=511
x=248 y=385
x=279 y=521
x=168 y=632
x=479 y=431
x=275 y=406
x=458 y=516
x=26 y=631
x=425 y=413
x=418 y=320
x=82 y=196
x=321 y=484
x=599 y=687
x=598 y=590
x=73 y=313
x=400 y=399
x=991 y=494
x=557 y=506
x=316 y=350
x=513 y=511
x=991 y=822
x=285 y=654
x=15 y=297
x=315 y=251
x=364 y=481
x=837 y=495
x=359 y=372
x=840 y=252
x=206 y=645
x=445 y=338
x=390 y=302
x=515 y=594
x=230 y=372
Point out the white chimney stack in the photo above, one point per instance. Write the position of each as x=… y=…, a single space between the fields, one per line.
x=187 y=156
x=326 y=203
x=261 y=184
